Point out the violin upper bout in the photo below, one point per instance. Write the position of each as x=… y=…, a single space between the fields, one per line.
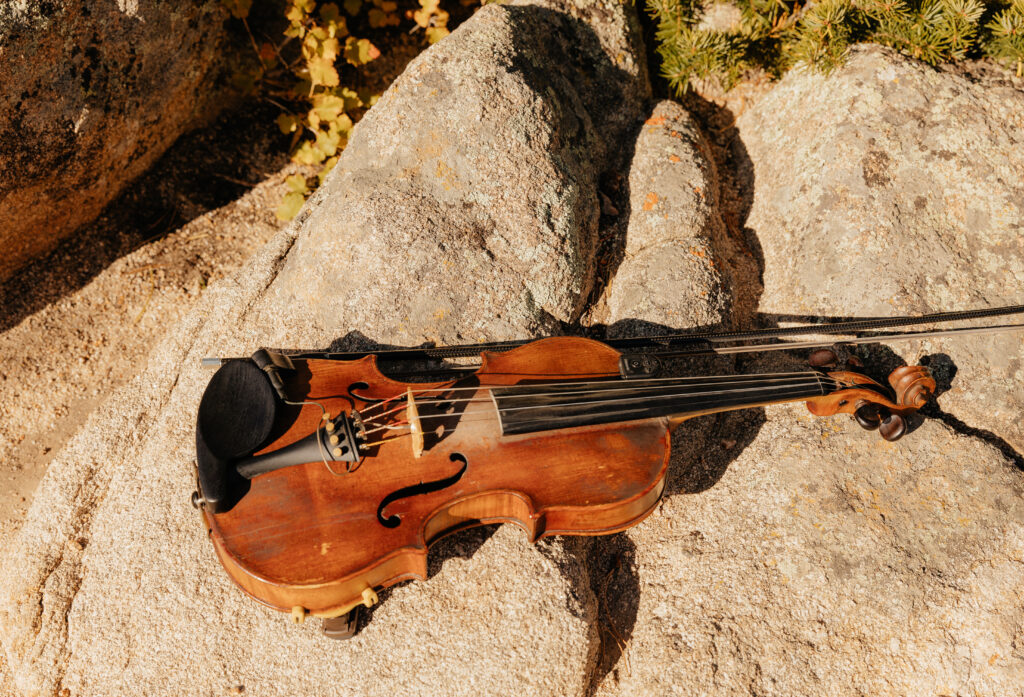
x=563 y=356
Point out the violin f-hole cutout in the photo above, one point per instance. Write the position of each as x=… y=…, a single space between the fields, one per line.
x=361 y=397
x=393 y=521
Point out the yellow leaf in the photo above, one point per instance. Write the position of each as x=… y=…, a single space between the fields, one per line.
x=342 y=125
x=308 y=154
x=327 y=107
x=435 y=34
x=327 y=142
x=297 y=184
x=328 y=166
x=305 y=5
x=360 y=52
x=329 y=49
x=353 y=6
x=338 y=27
x=353 y=99
x=290 y=206
x=329 y=12
x=287 y=123
x=322 y=72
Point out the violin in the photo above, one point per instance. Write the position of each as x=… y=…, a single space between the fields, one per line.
x=323 y=480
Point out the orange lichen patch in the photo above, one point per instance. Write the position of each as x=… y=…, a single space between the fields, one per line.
x=655 y=121
x=651 y=201
x=697 y=252
x=674 y=158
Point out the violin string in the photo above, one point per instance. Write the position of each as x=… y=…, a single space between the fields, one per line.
x=626 y=385
x=492 y=416
x=611 y=389
x=825 y=382
x=612 y=385
x=400 y=395
x=379 y=426
x=649 y=398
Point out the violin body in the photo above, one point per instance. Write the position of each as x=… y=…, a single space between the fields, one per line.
x=548 y=436
x=302 y=537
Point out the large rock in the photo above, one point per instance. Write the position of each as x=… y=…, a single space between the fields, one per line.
x=111 y=586
x=825 y=561
x=891 y=188
x=90 y=95
x=671 y=271
x=795 y=555
x=482 y=162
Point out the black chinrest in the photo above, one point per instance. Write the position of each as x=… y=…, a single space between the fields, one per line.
x=236 y=416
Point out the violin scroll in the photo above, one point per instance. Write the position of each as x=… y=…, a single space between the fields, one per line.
x=913 y=384
x=875 y=406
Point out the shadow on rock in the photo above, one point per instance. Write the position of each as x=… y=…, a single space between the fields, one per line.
x=461 y=545
x=616 y=587
x=203 y=170
x=734 y=169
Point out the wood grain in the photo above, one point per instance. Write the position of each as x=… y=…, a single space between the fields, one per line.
x=304 y=537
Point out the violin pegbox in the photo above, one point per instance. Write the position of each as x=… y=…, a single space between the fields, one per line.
x=875 y=406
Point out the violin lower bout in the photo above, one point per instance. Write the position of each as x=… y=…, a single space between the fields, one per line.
x=584 y=481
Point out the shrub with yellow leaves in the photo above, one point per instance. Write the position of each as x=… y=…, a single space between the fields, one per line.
x=300 y=74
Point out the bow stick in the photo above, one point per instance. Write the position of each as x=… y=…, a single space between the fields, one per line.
x=696 y=343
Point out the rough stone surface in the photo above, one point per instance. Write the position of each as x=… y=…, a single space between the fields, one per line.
x=819 y=559
x=111 y=585
x=795 y=555
x=674 y=233
x=472 y=191
x=90 y=95
x=890 y=188
x=791 y=555
x=60 y=362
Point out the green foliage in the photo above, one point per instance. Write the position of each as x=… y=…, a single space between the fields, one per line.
x=304 y=74
x=775 y=35
x=1007 y=37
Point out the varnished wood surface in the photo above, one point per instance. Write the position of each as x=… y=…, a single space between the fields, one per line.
x=913 y=386
x=302 y=536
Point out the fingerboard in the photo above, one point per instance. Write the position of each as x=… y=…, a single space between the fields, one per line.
x=549 y=406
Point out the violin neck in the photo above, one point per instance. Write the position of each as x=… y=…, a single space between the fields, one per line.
x=545 y=407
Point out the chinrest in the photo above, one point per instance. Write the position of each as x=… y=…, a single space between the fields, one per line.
x=236 y=415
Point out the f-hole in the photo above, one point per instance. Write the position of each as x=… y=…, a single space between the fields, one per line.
x=361 y=386
x=394 y=521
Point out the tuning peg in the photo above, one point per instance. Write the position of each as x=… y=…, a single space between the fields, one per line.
x=892 y=427
x=870 y=415
x=823 y=358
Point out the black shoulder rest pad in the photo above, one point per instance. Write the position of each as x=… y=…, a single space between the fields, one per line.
x=236 y=416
